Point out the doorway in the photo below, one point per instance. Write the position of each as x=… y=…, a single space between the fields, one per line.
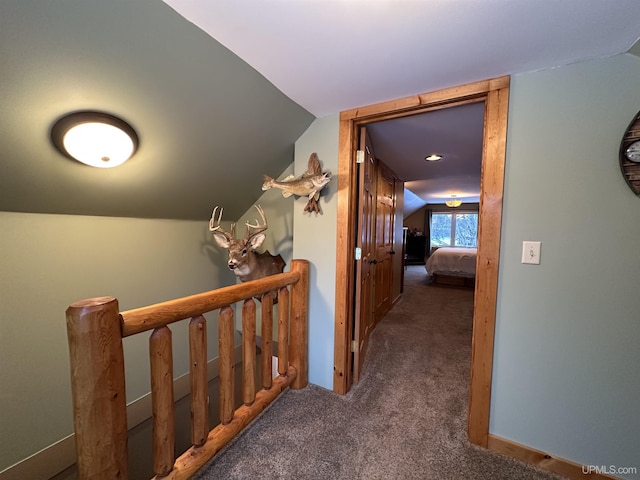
x=495 y=94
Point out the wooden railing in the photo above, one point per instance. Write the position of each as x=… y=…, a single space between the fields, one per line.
x=95 y=328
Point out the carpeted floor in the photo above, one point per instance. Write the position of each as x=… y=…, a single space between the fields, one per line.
x=406 y=419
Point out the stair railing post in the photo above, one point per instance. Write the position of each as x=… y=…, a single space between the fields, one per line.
x=299 y=343
x=98 y=388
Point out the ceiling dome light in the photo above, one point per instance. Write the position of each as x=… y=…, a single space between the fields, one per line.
x=454 y=202
x=95 y=138
x=434 y=157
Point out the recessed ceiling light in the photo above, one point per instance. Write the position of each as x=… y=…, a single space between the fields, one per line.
x=433 y=157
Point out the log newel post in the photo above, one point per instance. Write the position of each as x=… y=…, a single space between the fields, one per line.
x=98 y=388
x=299 y=344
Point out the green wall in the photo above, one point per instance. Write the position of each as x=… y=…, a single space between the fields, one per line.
x=567 y=353
x=50 y=261
x=279 y=214
x=315 y=239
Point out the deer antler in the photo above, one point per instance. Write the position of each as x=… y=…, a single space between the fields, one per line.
x=243 y=260
x=257 y=228
x=214 y=225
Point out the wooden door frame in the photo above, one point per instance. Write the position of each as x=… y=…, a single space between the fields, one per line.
x=495 y=94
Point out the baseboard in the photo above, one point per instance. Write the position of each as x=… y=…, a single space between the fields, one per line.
x=55 y=458
x=546 y=461
x=397 y=299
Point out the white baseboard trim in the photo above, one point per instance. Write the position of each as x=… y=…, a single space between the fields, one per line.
x=61 y=455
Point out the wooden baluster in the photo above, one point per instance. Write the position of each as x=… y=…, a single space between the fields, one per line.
x=283 y=331
x=98 y=388
x=225 y=352
x=164 y=429
x=198 y=376
x=248 y=351
x=266 y=344
x=299 y=352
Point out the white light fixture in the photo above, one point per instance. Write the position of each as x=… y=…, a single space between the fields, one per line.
x=434 y=157
x=454 y=202
x=95 y=138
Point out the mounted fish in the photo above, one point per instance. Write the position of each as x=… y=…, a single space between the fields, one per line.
x=309 y=184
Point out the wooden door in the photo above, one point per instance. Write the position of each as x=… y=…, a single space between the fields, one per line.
x=385 y=213
x=363 y=314
x=495 y=92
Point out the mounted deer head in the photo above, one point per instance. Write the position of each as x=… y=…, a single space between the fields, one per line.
x=243 y=260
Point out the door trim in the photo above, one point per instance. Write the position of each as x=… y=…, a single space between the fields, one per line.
x=495 y=94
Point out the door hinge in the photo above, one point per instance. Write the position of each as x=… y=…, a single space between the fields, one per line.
x=354 y=346
x=359 y=156
x=358 y=253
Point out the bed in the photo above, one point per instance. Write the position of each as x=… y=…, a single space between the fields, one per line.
x=452 y=266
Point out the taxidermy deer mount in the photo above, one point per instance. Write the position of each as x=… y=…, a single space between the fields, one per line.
x=243 y=260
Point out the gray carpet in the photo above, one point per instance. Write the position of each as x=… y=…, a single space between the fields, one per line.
x=406 y=419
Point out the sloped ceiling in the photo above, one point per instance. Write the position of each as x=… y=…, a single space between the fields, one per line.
x=330 y=55
x=455 y=133
x=635 y=50
x=210 y=124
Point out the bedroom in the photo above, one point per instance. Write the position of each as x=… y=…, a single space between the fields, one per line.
x=446 y=239
x=407 y=146
x=438 y=155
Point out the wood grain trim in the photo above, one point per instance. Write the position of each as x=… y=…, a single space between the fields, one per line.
x=345 y=244
x=61 y=455
x=196 y=457
x=490 y=221
x=496 y=94
x=164 y=422
x=299 y=326
x=430 y=99
x=160 y=314
x=96 y=357
x=544 y=460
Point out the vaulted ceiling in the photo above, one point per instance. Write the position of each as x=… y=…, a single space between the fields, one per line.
x=209 y=124
x=220 y=90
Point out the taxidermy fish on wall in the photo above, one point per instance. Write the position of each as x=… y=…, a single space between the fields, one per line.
x=309 y=184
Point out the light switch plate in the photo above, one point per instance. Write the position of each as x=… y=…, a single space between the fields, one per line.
x=531 y=252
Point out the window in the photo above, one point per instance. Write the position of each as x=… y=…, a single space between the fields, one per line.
x=462 y=227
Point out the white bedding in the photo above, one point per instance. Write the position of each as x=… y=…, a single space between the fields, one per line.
x=457 y=261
